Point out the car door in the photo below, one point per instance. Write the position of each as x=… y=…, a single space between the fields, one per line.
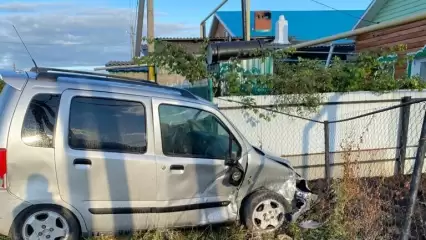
x=192 y=142
x=105 y=160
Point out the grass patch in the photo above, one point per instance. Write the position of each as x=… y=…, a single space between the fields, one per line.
x=233 y=232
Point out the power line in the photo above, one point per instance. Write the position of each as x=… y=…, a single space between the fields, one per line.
x=343 y=12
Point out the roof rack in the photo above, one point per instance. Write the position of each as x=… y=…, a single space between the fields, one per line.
x=86 y=73
x=55 y=73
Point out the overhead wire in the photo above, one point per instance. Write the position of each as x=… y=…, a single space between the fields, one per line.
x=343 y=12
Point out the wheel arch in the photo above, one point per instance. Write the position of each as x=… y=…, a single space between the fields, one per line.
x=257 y=191
x=77 y=216
x=244 y=200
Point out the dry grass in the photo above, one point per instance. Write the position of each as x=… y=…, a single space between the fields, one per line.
x=354 y=208
x=365 y=212
x=206 y=233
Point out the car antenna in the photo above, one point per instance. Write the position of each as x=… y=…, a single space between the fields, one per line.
x=32 y=59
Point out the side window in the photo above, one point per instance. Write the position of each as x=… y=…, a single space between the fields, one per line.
x=40 y=120
x=418 y=68
x=108 y=125
x=190 y=132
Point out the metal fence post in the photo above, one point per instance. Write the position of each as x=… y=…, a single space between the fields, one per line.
x=403 y=136
x=415 y=181
x=327 y=153
x=210 y=89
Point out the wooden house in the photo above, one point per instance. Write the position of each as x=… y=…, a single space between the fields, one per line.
x=413 y=35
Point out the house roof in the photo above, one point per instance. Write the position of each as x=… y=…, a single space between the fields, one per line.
x=368 y=16
x=190 y=44
x=303 y=25
x=125 y=67
x=193 y=45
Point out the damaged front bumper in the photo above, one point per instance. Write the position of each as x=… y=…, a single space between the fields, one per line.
x=303 y=200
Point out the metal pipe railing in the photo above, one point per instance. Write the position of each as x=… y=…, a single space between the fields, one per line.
x=223 y=51
x=380 y=26
x=203 y=23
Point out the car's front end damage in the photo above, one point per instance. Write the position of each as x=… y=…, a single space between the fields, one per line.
x=265 y=171
x=303 y=199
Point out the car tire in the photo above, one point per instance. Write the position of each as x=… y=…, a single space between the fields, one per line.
x=47 y=221
x=265 y=208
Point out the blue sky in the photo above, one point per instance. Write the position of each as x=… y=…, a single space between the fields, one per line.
x=92 y=32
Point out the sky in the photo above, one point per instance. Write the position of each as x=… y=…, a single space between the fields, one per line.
x=74 y=33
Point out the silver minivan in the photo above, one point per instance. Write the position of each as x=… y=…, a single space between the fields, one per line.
x=83 y=154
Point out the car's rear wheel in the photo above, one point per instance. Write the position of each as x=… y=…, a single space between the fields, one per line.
x=47 y=223
x=265 y=211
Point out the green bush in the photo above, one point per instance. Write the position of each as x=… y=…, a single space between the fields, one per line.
x=302 y=83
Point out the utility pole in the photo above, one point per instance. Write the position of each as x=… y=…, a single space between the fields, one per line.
x=150 y=23
x=139 y=29
x=245 y=11
x=132 y=41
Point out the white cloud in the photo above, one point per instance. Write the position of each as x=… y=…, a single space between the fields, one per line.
x=6 y=60
x=72 y=35
x=28 y=6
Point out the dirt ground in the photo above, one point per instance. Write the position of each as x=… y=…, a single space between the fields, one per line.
x=390 y=196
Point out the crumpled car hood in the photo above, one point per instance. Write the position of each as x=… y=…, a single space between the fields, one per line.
x=280 y=160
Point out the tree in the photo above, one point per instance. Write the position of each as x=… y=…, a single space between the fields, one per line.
x=302 y=84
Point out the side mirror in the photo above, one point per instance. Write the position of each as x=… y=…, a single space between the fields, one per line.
x=232 y=161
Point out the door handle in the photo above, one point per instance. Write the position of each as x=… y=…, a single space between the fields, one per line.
x=177 y=167
x=82 y=161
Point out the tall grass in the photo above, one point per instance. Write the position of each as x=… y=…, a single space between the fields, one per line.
x=234 y=232
x=354 y=208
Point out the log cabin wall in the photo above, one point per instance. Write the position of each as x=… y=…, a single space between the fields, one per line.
x=413 y=35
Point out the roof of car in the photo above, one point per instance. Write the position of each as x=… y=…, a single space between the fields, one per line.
x=114 y=83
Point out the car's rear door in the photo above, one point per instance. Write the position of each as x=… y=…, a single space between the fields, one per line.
x=105 y=159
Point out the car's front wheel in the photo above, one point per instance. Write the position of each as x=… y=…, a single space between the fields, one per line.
x=265 y=211
x=45 y=222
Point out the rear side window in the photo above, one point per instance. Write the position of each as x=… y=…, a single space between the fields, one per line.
x=40 y=120
x=107 y=125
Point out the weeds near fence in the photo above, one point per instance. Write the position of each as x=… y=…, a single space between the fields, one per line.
x=355 y=207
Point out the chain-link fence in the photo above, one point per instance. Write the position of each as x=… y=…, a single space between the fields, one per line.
x=368 y=170
x=360 y=162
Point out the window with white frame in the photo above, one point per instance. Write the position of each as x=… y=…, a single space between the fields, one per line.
x=418 y=68
x=417 y=64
